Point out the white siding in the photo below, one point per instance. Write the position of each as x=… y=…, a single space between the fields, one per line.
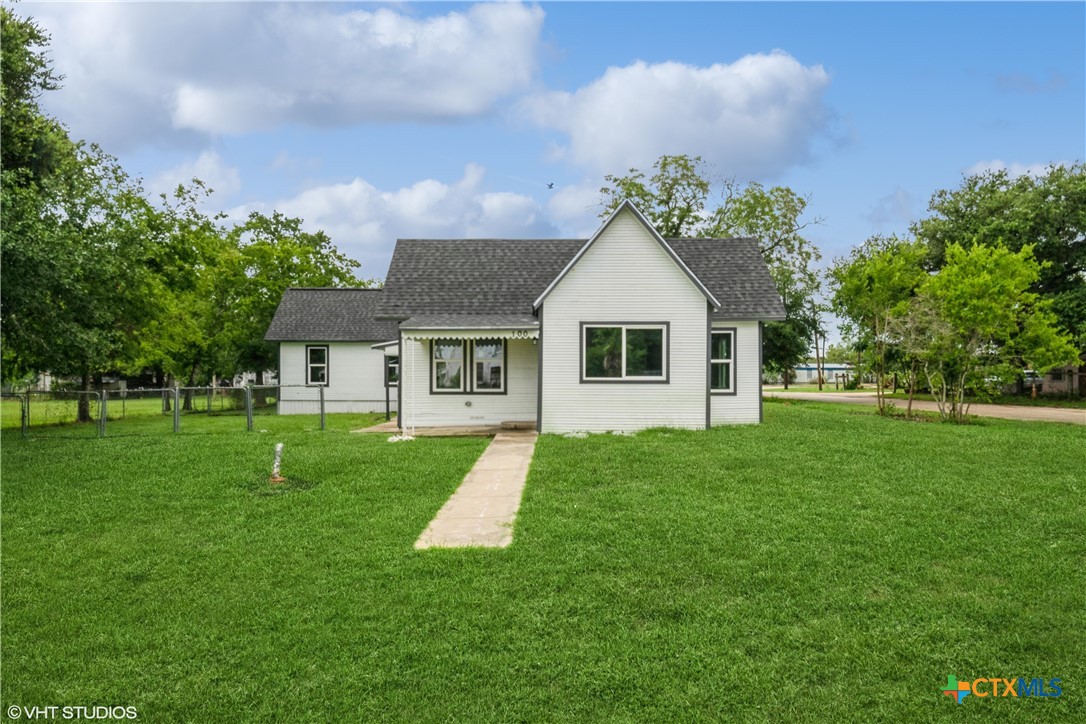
x=624 y=277
x=745 y=405
x=356 y=378
x=424 y=409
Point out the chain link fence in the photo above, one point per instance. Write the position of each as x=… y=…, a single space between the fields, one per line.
x=153 y=411
x=53 y=414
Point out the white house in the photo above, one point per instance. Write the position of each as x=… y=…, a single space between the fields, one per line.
x=620 y=332
x=326 y=339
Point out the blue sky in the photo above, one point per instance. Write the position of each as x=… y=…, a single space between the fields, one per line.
x=445 y=120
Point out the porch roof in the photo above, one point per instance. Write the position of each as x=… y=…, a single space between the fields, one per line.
x=471 y=326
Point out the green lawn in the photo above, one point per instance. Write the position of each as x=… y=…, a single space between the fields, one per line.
x=829 y=565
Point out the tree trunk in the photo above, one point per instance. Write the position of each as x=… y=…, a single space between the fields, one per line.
x=912 y=390
x=83 y=413
x=259 y=378
x=186 y=406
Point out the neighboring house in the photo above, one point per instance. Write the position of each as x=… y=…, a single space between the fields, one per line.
x=807 y=373
x=620 y=332
x=1059 y=381
x=326 y=339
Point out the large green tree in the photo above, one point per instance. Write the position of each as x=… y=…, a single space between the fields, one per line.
x=870 y=286
x=971 y=323
x=676 y=198
x=1046 y=212
x=73 y=247
x=274 y=253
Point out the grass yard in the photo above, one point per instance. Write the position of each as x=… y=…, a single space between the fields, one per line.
x=829 y=565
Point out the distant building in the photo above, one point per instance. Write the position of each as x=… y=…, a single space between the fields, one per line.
x=807 y=374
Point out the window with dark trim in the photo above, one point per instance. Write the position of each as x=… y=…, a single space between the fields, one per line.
x=484 y=361
x=624 y=352
x=722 y=361
x=448 y=365
x=392 y=371
x=489 y=358
x=316 y=365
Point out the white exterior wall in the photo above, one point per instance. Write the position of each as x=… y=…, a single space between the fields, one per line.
x=356 y=378
x=425 y=409
x=625 y=276
x=745 y=405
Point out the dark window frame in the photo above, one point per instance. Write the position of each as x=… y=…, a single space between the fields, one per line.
x=734 y=332
x=662 y=380
x=327 y=365
x=467 y=375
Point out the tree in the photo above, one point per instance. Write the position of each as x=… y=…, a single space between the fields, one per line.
x=33 y=144
x=676 y=200
x=971 y=322
x=1046 y=212
x=786 y=343
x=873 y=284
x=272 y=254
x=673 y=199
x=73 y=247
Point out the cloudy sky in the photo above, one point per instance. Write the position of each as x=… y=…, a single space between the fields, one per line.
x=445 y=120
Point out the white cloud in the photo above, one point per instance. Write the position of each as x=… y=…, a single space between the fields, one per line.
x=753 y=118
x=137 y=71
x=893 y=210
x=209 y=167
x=576 y=208
x=1013 y=169
x=364 y=221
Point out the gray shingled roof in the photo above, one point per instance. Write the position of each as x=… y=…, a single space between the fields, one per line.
x=472 y=276
x=505 y=276
x=736 y=273
x=330 y=315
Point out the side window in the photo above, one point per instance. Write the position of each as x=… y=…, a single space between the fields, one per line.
x=722 y=361
x=392 y=371
x=316 y=367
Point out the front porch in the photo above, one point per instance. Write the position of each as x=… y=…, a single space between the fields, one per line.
x=392 y=427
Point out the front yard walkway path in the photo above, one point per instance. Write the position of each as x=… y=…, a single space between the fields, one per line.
x=481 y=511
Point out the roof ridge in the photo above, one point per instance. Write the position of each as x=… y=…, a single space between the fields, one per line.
x=334 y=289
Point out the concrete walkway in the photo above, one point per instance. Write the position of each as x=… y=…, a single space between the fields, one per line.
x=481 y=511
x=1006 y=412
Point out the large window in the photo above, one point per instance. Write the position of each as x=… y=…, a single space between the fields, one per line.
x=316 y=365
x=484 y=359
x=722 y=361
x=627 y=352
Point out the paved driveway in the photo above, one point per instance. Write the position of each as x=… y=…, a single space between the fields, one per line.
x=1007 y=412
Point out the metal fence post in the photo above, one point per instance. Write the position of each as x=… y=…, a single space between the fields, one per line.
x=320 y=390
x=176 y=409
x=102 y=403
x=26 y=415
x=248 y=408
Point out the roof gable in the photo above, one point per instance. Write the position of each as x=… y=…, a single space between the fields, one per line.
x=626 y=205
x=329 y=315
